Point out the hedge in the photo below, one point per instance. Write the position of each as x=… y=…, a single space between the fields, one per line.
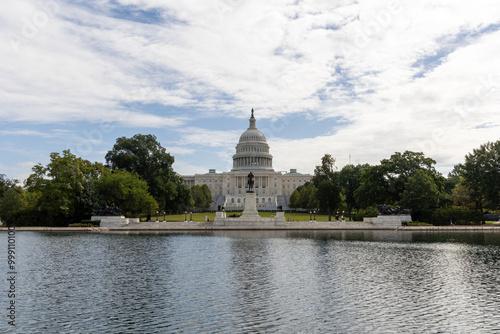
x=443 y=216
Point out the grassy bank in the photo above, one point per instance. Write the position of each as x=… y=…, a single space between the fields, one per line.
x=200 y=217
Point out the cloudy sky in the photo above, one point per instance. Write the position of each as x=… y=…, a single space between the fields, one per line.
x=359 y=80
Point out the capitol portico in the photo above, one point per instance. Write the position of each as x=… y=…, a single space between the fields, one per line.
x=272 y=189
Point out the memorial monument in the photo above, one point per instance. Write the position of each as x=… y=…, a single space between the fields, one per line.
x=250 y=215
x=250 y=209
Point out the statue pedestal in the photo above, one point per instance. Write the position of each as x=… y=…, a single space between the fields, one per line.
x=250 y=216
x=250 y=210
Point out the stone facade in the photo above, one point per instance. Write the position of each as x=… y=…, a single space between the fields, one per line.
x=272 y=188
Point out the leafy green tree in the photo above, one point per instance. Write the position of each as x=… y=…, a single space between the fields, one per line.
x=402 y=166
x=183 y=201
x=325 y=179
x=144 y=155
x=60 y=186
x=349 y=181
x=208 y=195
x=421 y=194
x=385 y=183
x=328 y=195
x=313 y=200
x=6 y=184
x=128 y=192
x=374 y=187
x=295 y=199
x=452 y=181
x=304 y=197
x=461 y=196
x=11 y=202
x=304 y=194
x=481 y=173
x=202 y=196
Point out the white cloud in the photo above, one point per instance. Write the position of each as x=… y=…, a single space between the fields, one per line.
x=401 y=75
x=26 y=132
x=208 y=138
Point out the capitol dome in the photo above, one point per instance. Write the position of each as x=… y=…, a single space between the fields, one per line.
x=252 y=151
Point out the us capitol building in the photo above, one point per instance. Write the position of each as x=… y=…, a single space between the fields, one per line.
x=272 y=189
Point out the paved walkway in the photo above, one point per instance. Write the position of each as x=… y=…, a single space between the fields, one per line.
x=303 y=225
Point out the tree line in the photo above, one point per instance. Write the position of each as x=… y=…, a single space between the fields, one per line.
x=137 y=178
x=407 y=180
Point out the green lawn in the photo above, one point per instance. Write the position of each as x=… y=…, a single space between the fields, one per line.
x=200 y=217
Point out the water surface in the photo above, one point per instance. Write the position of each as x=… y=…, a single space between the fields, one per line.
x=256 y=282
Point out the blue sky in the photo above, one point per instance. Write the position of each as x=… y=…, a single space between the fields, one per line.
x=358 y=79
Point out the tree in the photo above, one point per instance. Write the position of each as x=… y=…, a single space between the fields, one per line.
x=481 y=173
x=202 y=196
x=61 y=185
x=313 y=200
x=373 y=187
x=295 y=199
x=128 y=192
x=208 y=195
x=349 y=181
x=183 y=201
x=11 y=202
x=421 y=194
x=402 y=166
x=144 y=155
x=325 y=179
x=6 y=184
x=304 y=197
x=385 y=183
x=461 y=196
x=328 y=195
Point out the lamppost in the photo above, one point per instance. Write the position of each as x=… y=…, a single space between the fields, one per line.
x=310 y=216
x=156 y=215
x=163 y=215
x=185 y=216
x=314 y=215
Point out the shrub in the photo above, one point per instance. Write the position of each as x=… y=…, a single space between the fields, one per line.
x=416 y=224
x=368 y=212
x=443 y=216
x=92 y=222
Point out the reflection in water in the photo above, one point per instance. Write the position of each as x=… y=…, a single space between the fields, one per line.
x=258 y=281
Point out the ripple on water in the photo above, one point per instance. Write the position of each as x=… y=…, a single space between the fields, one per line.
x=87 y=283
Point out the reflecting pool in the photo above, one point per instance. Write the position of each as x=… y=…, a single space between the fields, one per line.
x=255 y=282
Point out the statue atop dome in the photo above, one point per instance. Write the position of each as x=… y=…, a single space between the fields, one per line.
x=252 y=122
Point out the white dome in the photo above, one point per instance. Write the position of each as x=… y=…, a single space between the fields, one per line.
x=252 y=135
x=252 y=151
